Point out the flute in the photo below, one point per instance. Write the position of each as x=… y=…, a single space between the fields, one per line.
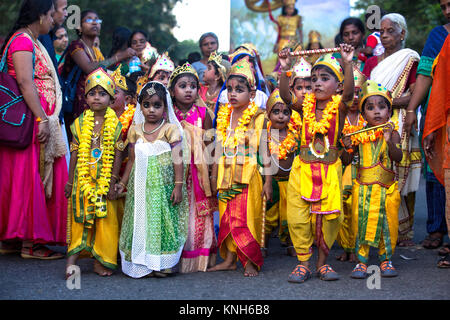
x=368 y=129
x=315 y=51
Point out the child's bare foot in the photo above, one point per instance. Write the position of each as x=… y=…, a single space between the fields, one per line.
x=101 y=270
x=250 y=270
x=224 y=266
x=290 y=251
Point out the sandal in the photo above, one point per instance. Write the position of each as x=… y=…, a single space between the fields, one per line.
x=444 y=250
x=432 y=242
x=326 y=273
x=7 y=248
x=40 y=252
x=360 y=271
x=444 y=262
x=388 y=270
x=300 y=274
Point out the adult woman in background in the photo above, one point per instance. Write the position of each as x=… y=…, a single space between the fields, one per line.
x=33 y=209
x=87 y=57
x=208 y=43
x=396 y=70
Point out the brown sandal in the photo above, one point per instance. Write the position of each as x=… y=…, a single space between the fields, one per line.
x=47 y=254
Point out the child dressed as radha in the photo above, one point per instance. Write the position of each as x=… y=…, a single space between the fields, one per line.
x=236 y=176
x=154 y=225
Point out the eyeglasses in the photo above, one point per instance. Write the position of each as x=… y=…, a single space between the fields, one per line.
x=99 y=21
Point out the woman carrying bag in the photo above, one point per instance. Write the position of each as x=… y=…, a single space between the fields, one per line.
x=33 y=209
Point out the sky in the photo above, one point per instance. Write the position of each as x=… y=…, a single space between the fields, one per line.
x=195 y=17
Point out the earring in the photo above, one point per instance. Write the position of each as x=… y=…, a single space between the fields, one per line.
x=40 y=21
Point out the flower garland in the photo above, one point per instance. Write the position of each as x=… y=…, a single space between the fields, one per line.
x=349 y=128
x=309 y=115
x=321 y=126
x=96 y=191
x=126 y=119
x=223 y=124
x=371 y=135
x=289 y=144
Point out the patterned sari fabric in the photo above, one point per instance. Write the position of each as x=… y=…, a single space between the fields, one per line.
x=240 y=206
x=201 y=244
x=87 y=233
x=153 y=230
x=314 y=193
x=79 y=104
x=395 y=73
x=375 y=204
x=29 y=208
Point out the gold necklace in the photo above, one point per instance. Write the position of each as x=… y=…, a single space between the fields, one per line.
x=90 y=53
x=31 y=34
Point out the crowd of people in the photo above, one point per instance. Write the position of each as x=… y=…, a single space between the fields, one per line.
x=132 y=155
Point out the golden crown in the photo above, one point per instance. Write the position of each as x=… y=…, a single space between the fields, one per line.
x=99 y=77
x=241 y=50
x=119 y=79
x=360 y=78
x=289 y=2
x=243 y=68
x=185 y=68
x=314 y=36
x=372 y=88
x=273 y=100
x=162 y=63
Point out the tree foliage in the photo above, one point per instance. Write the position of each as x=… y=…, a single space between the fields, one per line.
x=153 y=16
x=421 y=17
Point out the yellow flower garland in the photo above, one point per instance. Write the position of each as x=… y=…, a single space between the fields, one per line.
x=289 y=144
x=223 y=122
x=96 y=191
x=330 y=110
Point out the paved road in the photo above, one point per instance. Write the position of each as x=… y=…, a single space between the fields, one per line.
x=419 y=279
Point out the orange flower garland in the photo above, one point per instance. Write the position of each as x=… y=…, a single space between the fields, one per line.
x=289 y=144
x=309 y=115
x=223 y=124
x=126 y=119
x=369 y=136
x=349 y=128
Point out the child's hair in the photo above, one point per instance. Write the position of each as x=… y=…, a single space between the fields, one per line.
x=283 y=11
x=160 y=91
x=326 y=69
x=132 y=87
x=174 y=81
x=217 y=72
x=304 y=79
x=240 y=79
x=99 y=86
x=385 y=100
x=119 y=39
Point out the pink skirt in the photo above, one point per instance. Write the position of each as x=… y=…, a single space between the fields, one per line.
x=25 y=213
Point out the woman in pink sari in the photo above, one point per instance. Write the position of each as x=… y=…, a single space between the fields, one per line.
x=33 y=209
x=200 y=248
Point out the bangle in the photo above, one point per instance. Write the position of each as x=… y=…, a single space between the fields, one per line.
x=38 y=119
x=114 y=176
x=70 y=184
x=122 y=184
x=414 y=111
x=179 y=182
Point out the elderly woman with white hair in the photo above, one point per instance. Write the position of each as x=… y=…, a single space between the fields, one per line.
x=396 y=70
